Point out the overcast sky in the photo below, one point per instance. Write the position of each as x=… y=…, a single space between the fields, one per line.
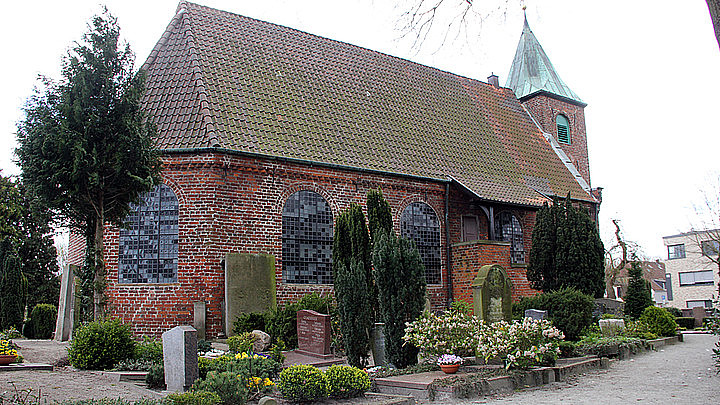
x=649 y=71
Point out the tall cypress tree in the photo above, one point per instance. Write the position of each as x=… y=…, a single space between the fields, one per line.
x=11 y=288
x=85 y=146
x=638 y=295
x=379 y=214
x=566 y=250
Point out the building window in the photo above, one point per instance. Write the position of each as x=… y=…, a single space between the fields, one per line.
x=470 y=228
x=419 y=223
x=307 y=238
x=699 y=303
x=710 y=248
x=676 y=251
x=149 y=243
x=508 y=229
x=697 y=278
x=563 y=129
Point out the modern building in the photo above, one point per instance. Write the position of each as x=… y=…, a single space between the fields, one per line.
x=691 y=269
x=267 y=133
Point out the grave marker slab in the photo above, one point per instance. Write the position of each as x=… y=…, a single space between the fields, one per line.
x=612 y=327
x=536 y=314
x=199 y=310
x=180 y=358
x=65 y=320
x=492 y=289
x=313 y=330
x=249 y=285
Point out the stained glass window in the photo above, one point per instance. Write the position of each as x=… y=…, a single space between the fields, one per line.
x=419 y=223
x=149 y=242
x=508 y=229
x=307 y=238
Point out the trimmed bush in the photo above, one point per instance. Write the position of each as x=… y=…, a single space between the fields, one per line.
x=155 y=378
x=149 y=349
x=568 y=309
x=568 y=349
x=677 y=313
x=302 y=383
x=194 y=398
x=101 y=345
x=41 y=324
x=241 y=343
x=249 y=322
x=659 y=321
x=686 y=322
x=227 y=385
x=346 y=381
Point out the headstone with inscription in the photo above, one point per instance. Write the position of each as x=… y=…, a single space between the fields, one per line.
x=180 y=358
x=249 y=285
x=536 y=314
x=492 y=290
x=611 y=327
x=313 y=330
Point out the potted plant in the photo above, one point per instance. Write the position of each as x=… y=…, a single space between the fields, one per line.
x=8 y=354
x=449 y=363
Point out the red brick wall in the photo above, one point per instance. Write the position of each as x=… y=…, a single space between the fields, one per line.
x=234 y=204
x=545 y=109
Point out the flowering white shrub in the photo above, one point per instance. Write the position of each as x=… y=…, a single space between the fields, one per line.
x=521 y=344
x=453 y=332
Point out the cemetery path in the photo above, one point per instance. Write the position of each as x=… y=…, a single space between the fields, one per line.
x=681 y=373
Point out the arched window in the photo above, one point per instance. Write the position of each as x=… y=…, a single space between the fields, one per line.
x=563 y=129
x=419 y=223
x=307 y=238
x=149 y=243
x=508 y=229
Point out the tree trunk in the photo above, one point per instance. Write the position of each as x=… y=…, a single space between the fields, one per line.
x=714 y=7
x=99 y=284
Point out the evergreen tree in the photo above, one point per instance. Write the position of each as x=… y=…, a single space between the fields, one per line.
x=379 y=215
x=638 y=296
x=566 y=250
x=354 y=311
x=400 y=277
x=85 y=146
x=12 y=309
x=353 y=282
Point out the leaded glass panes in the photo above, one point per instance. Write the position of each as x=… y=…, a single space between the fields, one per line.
x=149 y=243
x=419 y=223
x=508 y=229
x=307 y=238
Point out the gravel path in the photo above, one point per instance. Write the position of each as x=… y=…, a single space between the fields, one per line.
x=677 y=374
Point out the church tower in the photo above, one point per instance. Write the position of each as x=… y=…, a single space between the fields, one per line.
x=556 y=108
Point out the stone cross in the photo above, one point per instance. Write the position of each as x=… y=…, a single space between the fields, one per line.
x=180 y=358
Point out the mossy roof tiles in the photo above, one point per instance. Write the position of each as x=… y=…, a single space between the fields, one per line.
x=221 y=80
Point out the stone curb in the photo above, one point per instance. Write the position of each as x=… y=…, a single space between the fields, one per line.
x=26 y=367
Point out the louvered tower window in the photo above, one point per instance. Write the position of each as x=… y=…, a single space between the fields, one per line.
x=307 y=238
x=419 y=223
x=563 y=129
x=149 y=242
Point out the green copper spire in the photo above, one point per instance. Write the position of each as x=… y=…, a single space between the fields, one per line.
x=531 y=71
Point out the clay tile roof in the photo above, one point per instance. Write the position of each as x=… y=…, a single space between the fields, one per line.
x=221 y=80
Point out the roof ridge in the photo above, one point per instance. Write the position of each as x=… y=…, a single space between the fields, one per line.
x=162 y=41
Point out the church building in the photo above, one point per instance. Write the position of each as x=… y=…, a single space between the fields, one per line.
x=267 y=133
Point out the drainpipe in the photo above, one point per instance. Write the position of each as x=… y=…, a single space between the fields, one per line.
x=448 y=254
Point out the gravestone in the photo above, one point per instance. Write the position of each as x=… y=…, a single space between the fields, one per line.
x=612 y=327
x=249 y=285
x=536 y=314
x=492 y=294
x=313 y=330
x=199 y=310
x=65 y=320
x=699 y=314
x=180 y=358
x=377 y=344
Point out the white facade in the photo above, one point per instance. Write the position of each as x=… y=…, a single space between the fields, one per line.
x=693 y=277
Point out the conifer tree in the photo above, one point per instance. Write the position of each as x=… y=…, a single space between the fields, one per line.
x=400 y=277
x=638 y=295
x=354 y=311
x=566 y=250
x=85 y=146
x=11 y=288
x=379 y=214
